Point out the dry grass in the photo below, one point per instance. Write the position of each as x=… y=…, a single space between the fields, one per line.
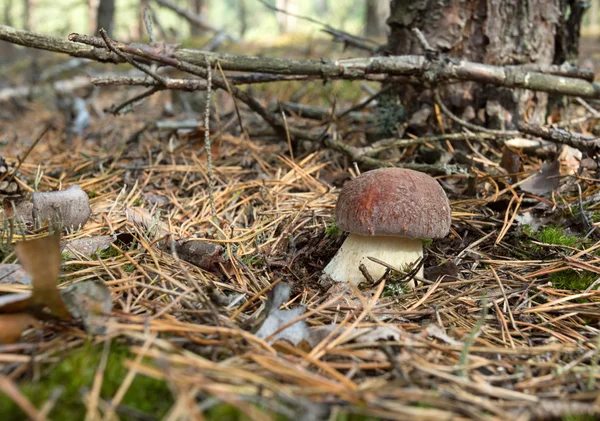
x=495 y=341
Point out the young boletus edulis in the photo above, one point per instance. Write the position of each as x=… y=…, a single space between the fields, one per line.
x=387 y=212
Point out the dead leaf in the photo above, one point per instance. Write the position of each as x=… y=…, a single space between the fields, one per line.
x=41 y=259
x=511 y=162
x=15 y=303
x=65 y=209
x=150 y=223
x=203 y=254
x=544 y=181
x=12 y=273
x=12 y=325
x=92 y=302
x=276 y=318
x=88 y=246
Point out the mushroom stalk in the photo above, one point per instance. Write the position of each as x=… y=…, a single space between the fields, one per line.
x=399 y=252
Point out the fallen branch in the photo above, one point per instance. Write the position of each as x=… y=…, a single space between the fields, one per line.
x=590 y=144
x=351 y=69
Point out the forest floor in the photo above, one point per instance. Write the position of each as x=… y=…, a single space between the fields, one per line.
x=504 y=325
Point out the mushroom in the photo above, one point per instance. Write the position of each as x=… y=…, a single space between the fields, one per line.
x=388 y=212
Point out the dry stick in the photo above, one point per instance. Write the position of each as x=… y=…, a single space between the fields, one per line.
x=358 y=68
x=464 y=354
x=207 y=147
x=10 y=389
x=110 y=45
x=94 y=394
x=189 y=84
x=116 y=109
x=235 y=103
x=579 y=141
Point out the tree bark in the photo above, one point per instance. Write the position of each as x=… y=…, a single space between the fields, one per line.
x=105 y=18
x=376 y=13
x=493 y=32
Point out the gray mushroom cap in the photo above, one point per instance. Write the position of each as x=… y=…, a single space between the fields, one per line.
x=394 y=202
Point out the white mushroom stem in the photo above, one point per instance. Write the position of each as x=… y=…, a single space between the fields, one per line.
x=399 y=252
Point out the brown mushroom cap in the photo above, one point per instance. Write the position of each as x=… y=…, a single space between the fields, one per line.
x=394 y=202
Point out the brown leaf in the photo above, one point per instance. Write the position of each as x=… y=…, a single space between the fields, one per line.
x=203 y=254
x=511 y=162
x=12 y=325
x=15 y=303
x=146 y=220
x=41 y=259
x=544 y=181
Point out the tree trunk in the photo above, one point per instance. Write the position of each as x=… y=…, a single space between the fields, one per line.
x=27 y=18
x=7 y=13
x=243 y=18
x=322 y=7
x=199 y=8
x=92 y=16
x=105 y=18
x=498 y=32
x=285 y=22
x=376 y=13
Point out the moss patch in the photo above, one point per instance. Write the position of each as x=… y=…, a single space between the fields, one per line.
x=333 y=231
x=557 y=236
x=571 y=279
x=75 y=374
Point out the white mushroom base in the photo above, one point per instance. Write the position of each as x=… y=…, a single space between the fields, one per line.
x=398 y=252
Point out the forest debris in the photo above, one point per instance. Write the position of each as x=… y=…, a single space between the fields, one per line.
x=13 y=273
x=579 y=141
x=87 y=246
x=41 y=259
x=91 y=301
x=358 y=335
x=12 y=325
x=204 y=254
x=149 y=222
x=276 y=318
x=545 y=180
x=20 y=209
x=64 y=209
x=15 y=303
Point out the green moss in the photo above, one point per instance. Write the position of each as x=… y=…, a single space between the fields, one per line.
x=92 y=194
x=128 y=268
x=75 y=374
x=333 y=230
x=571 y=279
x=427 y=242
x=578 y=418
x=108 y=253
x=557 y=236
